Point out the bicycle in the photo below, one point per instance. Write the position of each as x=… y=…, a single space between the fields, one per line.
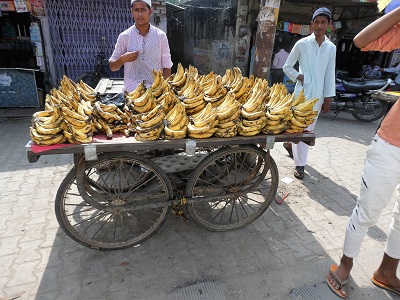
x=100 y=69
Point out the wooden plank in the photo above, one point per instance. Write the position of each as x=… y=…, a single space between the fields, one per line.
x=131 y=144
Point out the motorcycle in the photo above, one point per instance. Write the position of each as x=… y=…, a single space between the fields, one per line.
x=354 y=96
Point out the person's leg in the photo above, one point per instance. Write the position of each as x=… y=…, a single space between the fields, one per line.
x=386 y=273
x=380 y=177
x=300 y=154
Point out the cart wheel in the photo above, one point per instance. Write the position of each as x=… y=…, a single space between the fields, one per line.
x=241 y=196
x=113 y=183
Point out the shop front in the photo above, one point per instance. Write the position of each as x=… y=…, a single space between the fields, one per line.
x=22 y=59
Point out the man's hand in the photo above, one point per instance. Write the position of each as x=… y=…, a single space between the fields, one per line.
x=301 y=79
x=326 y=106
x=130 y=56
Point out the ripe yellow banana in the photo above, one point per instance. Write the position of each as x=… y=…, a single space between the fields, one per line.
x=150 y=135
x=299 y=99
x=281 y=111
x=136 y=93
x=203 y=135
x=152 y=122
x=248 y=131
x=180 y=71
x=307 y=105
x=229 y=125
x=252 y=116
x=151 y=103
x=297 y=123
x=174 y=134
x=151 y=114
x=184 y=121
x=56 y=139
x=203 y=121
x=195 y=110
x=255 y=123
x=143 y=99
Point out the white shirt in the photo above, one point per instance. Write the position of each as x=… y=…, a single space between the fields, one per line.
x=280 y=59
x=153 y=50
x=317 y=64
x=394 y=70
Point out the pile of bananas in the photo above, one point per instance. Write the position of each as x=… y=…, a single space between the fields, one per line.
x=241 y=86
x=301 y=115
x=45 y=129
x=254 y=110
x=228 y=115
x=73 y=114
x=176 y=122
x=278 y=108
x=203 y=125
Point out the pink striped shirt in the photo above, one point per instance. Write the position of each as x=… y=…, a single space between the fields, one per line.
x=153 y=50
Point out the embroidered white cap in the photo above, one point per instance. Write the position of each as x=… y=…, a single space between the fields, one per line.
x=148 y=2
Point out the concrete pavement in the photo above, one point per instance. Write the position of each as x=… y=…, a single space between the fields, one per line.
x=289 y=247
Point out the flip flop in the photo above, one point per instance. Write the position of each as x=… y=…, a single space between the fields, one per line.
x=299 y=172
x=385 y=286
x=339 y=286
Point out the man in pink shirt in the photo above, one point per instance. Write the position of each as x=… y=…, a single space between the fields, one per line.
x=280 y=57
x=380 y=178
x=141 y=48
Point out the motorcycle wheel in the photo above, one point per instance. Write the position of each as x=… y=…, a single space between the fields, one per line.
x=368 y=109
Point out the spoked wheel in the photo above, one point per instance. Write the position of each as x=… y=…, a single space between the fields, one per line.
x=239 y=197
x=368 y=109
x=117 y=201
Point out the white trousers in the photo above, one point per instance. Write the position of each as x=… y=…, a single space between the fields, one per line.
x=300 y=150
x=380 y=177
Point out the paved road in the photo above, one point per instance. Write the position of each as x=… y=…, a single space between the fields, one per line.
x=290 y=247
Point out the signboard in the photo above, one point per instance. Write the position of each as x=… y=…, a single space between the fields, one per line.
x=18 y=88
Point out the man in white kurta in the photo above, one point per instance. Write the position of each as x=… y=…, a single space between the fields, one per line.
x=316 y=75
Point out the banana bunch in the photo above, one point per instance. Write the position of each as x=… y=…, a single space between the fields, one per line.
x=77 y=126
x=150 y=124
x=214 y=91
x=302 y=115
x=253 y=112
x=205 y=124
x=167 y=101
x=160 y=85
x=110 y=119
x=228 y=114
x=46 y=127
x=278 y=110
x=178 y=79
x=176 y=122
x=192 y=97
x=144 y=103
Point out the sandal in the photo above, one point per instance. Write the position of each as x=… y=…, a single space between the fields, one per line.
x=299 y=172
x=335 y=284
x=288 y=147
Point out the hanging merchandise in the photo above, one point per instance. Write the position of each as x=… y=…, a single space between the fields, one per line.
x=21 y=6
x=7 y=6
x=37 y=7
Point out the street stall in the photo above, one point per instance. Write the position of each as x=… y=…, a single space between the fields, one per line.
x=123 y=184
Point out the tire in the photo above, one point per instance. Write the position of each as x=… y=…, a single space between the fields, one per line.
x=368 y=109
x=90 y=79
x=110 y=224
x=252 y=182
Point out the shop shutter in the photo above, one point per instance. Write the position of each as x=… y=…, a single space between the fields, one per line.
x=77 y=27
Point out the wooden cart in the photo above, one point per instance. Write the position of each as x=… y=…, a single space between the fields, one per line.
x=119 y=193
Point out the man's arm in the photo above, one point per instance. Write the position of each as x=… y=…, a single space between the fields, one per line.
x=288 y=69
x=377 y=28
x=116 y=64
x=166 y=72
